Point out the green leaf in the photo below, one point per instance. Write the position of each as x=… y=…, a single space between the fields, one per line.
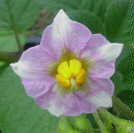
x=17 y=14
x=8 y=42
x=127 y=57
x=88 y=18
x=118 y=21
x=18 y=112
x=123 y=78
x=98 y=8
x=117 y=124
x=127 y=97
x=88 y=12
x=55 y=5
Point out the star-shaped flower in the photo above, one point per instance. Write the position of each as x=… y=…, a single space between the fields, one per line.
x=69 y=72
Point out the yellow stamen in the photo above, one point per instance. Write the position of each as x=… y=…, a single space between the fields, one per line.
x=63 y=69
x=69 y=71
x=81 y=77
x=63 y=81
x=75 y=66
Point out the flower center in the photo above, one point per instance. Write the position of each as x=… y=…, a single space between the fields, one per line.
x=71 y=74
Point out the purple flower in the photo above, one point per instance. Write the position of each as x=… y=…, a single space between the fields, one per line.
x=69 y=72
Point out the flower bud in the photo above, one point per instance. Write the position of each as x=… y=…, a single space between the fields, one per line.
x=82 y=123
x=64 y=126
x=73 y=131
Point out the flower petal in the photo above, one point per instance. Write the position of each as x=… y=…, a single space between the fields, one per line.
x=68 y=104
x=33 y=63
x=110 y=52
x=95 y=86
x=98 y=85
x=65 y=33
x=76 y=105
x=61 y=26
x=104 y=59
x=21 y=69
x=79 y=37
x=96 y=41
x=35 y=88
x=73 y=104
x=104 y=66
x=56 y=110
x=102 y=69
x=52 y=102
x=102 y=99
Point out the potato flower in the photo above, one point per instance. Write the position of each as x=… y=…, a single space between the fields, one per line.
x=69 y=72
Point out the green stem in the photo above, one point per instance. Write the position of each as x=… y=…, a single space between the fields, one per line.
x=9 y=56
x=116 y=124
x=17 y=39
x=100 y=123
x=13 y=25
x=105 y=114
x=83 y=123
x=122 y=108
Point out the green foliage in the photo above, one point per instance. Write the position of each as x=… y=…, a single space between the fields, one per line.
x=17 y=14
x=115 y=124
x=128 y=94
x=113 y=18
x=78 y=124
x=18 y=112
x=82 y=123
x=89 y=12
x=90 y=19
x=65 y=125
x=8 y=42
x=118 y=21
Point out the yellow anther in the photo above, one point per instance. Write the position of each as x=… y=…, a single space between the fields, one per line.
x=75 y=66
x=64 y=82
x=63 y=69
x=81 y=77
x=69 y=71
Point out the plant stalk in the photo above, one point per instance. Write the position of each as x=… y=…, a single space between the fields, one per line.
x=13 y=25
x=122 y=108
x=101 y=125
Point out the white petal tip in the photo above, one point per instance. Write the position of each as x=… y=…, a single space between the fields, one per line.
x=61 y=11
x=61 y=16
x=14 y=66
x=120 y=47
x=61 y=26
x=21 y=68
x=111 y=51
x=55 y=110
x=101 y=100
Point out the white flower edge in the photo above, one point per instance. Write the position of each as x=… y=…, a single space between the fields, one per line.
x=24 y=69
x=102 y=99
x=110 y=51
